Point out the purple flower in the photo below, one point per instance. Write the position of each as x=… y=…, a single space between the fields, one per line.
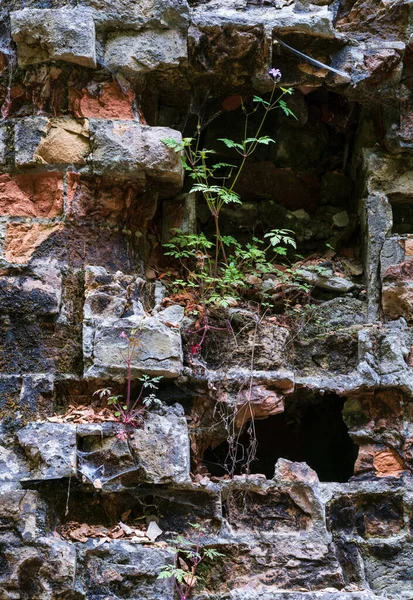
x=275 y=74
x=123 y=335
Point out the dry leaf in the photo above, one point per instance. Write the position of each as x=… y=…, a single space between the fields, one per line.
x=126 y=514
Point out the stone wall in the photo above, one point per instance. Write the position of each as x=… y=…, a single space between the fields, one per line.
x=88 y=194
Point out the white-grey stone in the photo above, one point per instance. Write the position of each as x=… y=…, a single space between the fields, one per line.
x=54 y=34
x=127 y=148
x=318 y=21
x=156 y=453
x=161 y=447
x=108 y=298
x=28 y=133
x=145 y=51
x=50 y=449
x=136 y=14
x=159 y=350
x=330 y=283
x=3 y=146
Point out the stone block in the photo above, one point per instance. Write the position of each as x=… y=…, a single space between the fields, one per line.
x=397 y=300
x=128 y=149
x=20 y=509
x=133 y=565
x=141 y=52
x=54 y=141
x=159 y=351
x=28 y=133
x=36 y=394
x=156 y=453
x=20 y=294
x=12 y=465
x=397 y=291
x=31 y=195
x=54 y=34
x=66 y=142
x=135 y=14
x=50 y=450
x=288 y=471
x=108 y=199
x=22 y=239
x=113 y=304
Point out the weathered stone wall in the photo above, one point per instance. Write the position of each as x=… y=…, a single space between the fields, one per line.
x=88 y=194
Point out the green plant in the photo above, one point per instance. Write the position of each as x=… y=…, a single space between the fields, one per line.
x=230 y=279
x=189 y=554
x=217 y=181
x=130 y=411
x=223 y=270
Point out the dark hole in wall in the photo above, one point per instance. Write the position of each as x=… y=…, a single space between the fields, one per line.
x=402 y=209
x=315 y=433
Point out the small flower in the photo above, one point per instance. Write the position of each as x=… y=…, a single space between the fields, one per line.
x=195 y=349
x=123 y=335
x=275 y=74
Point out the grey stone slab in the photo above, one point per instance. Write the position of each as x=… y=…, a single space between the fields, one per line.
x=54 y=34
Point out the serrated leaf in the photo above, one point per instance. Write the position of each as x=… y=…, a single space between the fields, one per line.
x=260 y=100
x=230 y=143
x=223 y=164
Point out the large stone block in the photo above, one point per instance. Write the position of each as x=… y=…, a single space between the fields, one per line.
x=137 y=569
x=156 y=453
x=145 y=51
x=50 y=449
x=110 y=200
x=135 y=14
x=159 y=351
x=61 y=34
x=126 y=148
x=113 y=304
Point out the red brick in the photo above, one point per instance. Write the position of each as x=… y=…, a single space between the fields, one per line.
x=31 y=195
x=110 y=103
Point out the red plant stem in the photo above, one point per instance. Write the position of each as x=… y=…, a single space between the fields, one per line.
x=136 y=401
x=128 y=362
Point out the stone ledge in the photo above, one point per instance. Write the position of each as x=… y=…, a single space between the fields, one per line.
x=54 y=34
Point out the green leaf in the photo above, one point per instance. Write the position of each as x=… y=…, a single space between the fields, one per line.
x=260 y=100
x=265 y=140
x=212 y=553
x=174 y=144
x=287 y=111
x=231 y=143
x=222 y=165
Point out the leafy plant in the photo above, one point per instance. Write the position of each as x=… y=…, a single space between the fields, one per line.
x=230 y=279
x=217 y=181
x=130 y=411
x=189 y=554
